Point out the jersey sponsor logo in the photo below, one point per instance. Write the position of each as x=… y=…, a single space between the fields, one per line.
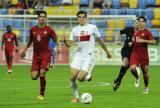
x=142 y=34
x=83 y=38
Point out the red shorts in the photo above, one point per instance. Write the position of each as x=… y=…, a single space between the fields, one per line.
x=9 y=51
x=40 y=62
x=137 y=59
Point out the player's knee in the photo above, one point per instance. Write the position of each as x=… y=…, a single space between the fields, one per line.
x=133 y=67
x=81 y=79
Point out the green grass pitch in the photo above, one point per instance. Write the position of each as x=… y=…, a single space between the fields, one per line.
x=19 y=91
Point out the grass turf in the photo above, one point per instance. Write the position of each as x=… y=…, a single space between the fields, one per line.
x=19 y=91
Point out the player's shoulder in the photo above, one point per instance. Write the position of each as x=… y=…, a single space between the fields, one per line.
x=91 y=25
x=33 y=27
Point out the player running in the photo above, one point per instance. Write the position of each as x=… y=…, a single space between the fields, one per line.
x=126 y=52
x=40 y=36
x=142 y=37
x=8 y=40
x=84 y=35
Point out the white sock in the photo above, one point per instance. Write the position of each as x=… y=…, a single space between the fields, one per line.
x=74 y=89
x=88 y=76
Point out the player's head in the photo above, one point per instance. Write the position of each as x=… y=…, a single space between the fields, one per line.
x=42 y=16
x=82 y=17
x=136 y=24
x=142 y=22
x=9 y=28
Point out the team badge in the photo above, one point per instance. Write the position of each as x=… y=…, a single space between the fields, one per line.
x=8 y=39
x=39 y=38
x=45 y=32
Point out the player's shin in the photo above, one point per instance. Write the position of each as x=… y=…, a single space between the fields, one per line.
x=74 y=89
x=42 y=85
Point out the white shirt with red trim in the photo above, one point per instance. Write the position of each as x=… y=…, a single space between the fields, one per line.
x=85 y=37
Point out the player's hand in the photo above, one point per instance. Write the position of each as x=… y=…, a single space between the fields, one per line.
x=22 y=55
x=118 y=42
x=130 y=44
x=59 y=50
x=109 y=55
x=16 y=50
x=2 y=48
x=141 y=41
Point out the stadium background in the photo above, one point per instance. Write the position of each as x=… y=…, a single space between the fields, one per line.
x=121 y=13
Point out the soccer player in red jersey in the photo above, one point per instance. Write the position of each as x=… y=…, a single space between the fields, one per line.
x=40 y=36
x=142 y=37
x=8 y=40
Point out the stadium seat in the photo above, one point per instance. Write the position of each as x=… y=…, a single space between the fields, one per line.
x=84 y=2
x=4 y=11
x=156 y=12
x=149 y=23
x=97 y=11
x=17 y=32
x=116 y=4
x=149 y=13
x=142 y=4
x=111 y=24
x=155 y=33
x=133 y=4
x=56 y=2
x=76 y=1
x=157 y=2
x=122 y=11
x=109 y=35
x=129 y=23
x=124 y=3
x=113 y=12
x=14 y=2
x=120 y=24
x=151 y=2
x=155 y=23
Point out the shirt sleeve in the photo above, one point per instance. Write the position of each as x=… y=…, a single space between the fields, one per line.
x=53 y=35
x=123 y=31
x=72 y=35
x=150 y=36
x=96 y=32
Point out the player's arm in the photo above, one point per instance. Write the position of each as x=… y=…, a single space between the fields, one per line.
x=101 y=42
x=118 y=39
x=16 y=43
x=27 y=45
x=68 y=43
x=2 y=43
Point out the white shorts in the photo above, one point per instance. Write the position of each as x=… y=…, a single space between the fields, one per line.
x=83 y=64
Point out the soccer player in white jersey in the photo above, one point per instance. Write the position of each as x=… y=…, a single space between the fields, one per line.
x=84 y=35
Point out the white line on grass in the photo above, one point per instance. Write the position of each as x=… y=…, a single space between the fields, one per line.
x=93 y=84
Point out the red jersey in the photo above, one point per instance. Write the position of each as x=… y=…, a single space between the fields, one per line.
x=41 y=38
x=141 y=48
x=9 y=39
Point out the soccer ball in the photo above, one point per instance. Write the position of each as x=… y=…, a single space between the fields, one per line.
x=86 y=98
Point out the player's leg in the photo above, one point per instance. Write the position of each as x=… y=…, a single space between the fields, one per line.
x=75 y=68
x=73 y=84
x=145 y=77
x=52 y=58
x=122 y=72
x=7 y=57
x=10 y=58
x=45 y=61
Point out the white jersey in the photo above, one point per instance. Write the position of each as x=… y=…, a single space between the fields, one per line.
x=85 y=37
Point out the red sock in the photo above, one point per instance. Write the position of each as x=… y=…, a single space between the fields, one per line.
x=42 y=85
x=10 y=65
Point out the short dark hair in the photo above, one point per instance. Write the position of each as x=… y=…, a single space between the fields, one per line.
x=82 y=12
x=40 y=12
x=142 y=17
